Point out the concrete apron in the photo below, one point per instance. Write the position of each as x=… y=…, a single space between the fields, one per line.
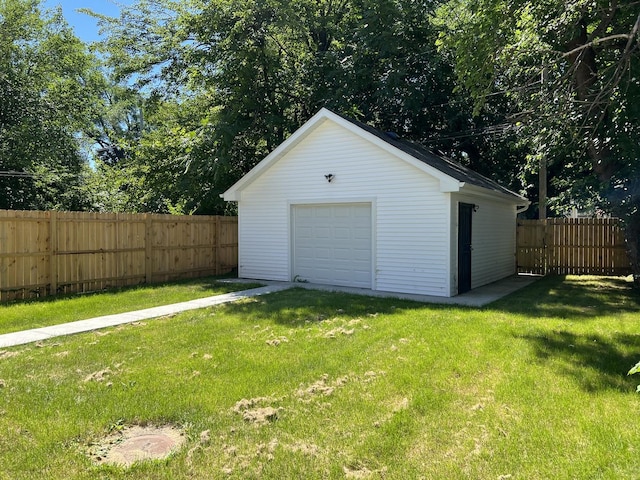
x=477 y=297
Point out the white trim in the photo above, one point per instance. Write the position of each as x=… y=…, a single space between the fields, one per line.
x=449 y=250
x=477 y=191
x=234 y=193
x=374 y=243
x=372 y=202
x=330 y=201
x=290 y=239
x=240 y=242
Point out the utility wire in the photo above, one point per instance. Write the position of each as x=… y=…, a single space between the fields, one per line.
x=14 y=173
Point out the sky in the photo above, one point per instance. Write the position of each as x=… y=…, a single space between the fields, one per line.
x=85 y=26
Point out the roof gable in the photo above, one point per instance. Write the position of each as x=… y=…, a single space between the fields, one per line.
x=451 y=175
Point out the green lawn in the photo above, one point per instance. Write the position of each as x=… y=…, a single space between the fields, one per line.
x=531 y=387
x=22 y=315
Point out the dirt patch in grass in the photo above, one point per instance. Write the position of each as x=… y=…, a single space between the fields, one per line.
x=304 y=448
x=361 y=472
x=336 y=332
x=8 y=354
x=322 y=387
x=274 y=342
x=98 y=376
x=136 y=443
x=252 y=412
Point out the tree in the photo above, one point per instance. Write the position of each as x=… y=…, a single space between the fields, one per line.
x=571 y=72
x=48 y=86
x=239 y=76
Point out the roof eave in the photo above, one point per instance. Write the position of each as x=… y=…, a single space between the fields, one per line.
x=511 y=197
x=447 y=183
x=233 y=193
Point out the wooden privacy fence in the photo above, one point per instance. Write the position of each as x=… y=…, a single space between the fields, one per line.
x=578 y=246
x=43 y=253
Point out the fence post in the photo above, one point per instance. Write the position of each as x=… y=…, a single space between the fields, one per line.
x=53 y=250
x=218 y=244
x=148 y=249
x=547 y=231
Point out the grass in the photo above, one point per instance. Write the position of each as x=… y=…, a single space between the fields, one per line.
x=531 y=387
x=22 y=315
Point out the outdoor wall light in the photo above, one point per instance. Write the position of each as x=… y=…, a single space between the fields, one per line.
x=476 y=207
x=329 y=177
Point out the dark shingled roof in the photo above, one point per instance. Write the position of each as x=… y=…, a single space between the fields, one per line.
x=445 y=165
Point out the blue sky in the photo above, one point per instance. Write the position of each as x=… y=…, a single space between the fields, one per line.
x=85 y=26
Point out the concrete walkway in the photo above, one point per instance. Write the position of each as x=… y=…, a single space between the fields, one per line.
x=44 y=333
x=475 y=298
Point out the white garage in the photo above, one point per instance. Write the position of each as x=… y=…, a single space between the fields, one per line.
x=341 y=203
x=332 y=244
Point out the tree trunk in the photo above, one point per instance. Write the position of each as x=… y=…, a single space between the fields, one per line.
x=585 y=76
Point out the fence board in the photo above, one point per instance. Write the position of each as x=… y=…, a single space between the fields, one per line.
x=43 y=253
x=582 y=246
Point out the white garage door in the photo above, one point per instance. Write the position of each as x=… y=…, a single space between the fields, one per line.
x=332 y=244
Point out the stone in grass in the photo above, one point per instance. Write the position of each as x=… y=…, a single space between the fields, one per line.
x=137 y=443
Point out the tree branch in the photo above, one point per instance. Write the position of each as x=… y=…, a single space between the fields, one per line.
x=605 y=21
x=593 y=43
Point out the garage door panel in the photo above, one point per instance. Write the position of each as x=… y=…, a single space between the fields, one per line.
x=361 y=267
x=363 y=277
x=322 y=232
x=338 y=250
x=361 y=257
x=305 y=230
x=342 y=233
x=361 y=233
x=342 y=253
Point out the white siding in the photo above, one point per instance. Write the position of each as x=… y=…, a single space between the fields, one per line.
x=411 y=224
x=493 y=239
x=263 y=248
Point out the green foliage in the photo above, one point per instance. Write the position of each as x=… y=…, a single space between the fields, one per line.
x=635 y=369
x=239 y=76
x=49 y=84
x=200 y=91
x=570 y=72
x=566 y=69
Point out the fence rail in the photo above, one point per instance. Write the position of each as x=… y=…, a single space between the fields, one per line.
x=582 y=246
x=43 y=253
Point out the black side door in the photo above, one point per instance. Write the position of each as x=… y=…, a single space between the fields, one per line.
x=465 y=212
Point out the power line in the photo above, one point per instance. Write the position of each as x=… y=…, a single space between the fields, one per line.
x=500 y=129
x=16 y=174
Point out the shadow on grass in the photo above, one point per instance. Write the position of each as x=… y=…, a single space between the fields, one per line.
x=299 y=307
x=569 y=298
x=572 y=298
x=202 y=284
x=595 y=362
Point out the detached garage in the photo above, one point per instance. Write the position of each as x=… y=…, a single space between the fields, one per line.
x=340 y=203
